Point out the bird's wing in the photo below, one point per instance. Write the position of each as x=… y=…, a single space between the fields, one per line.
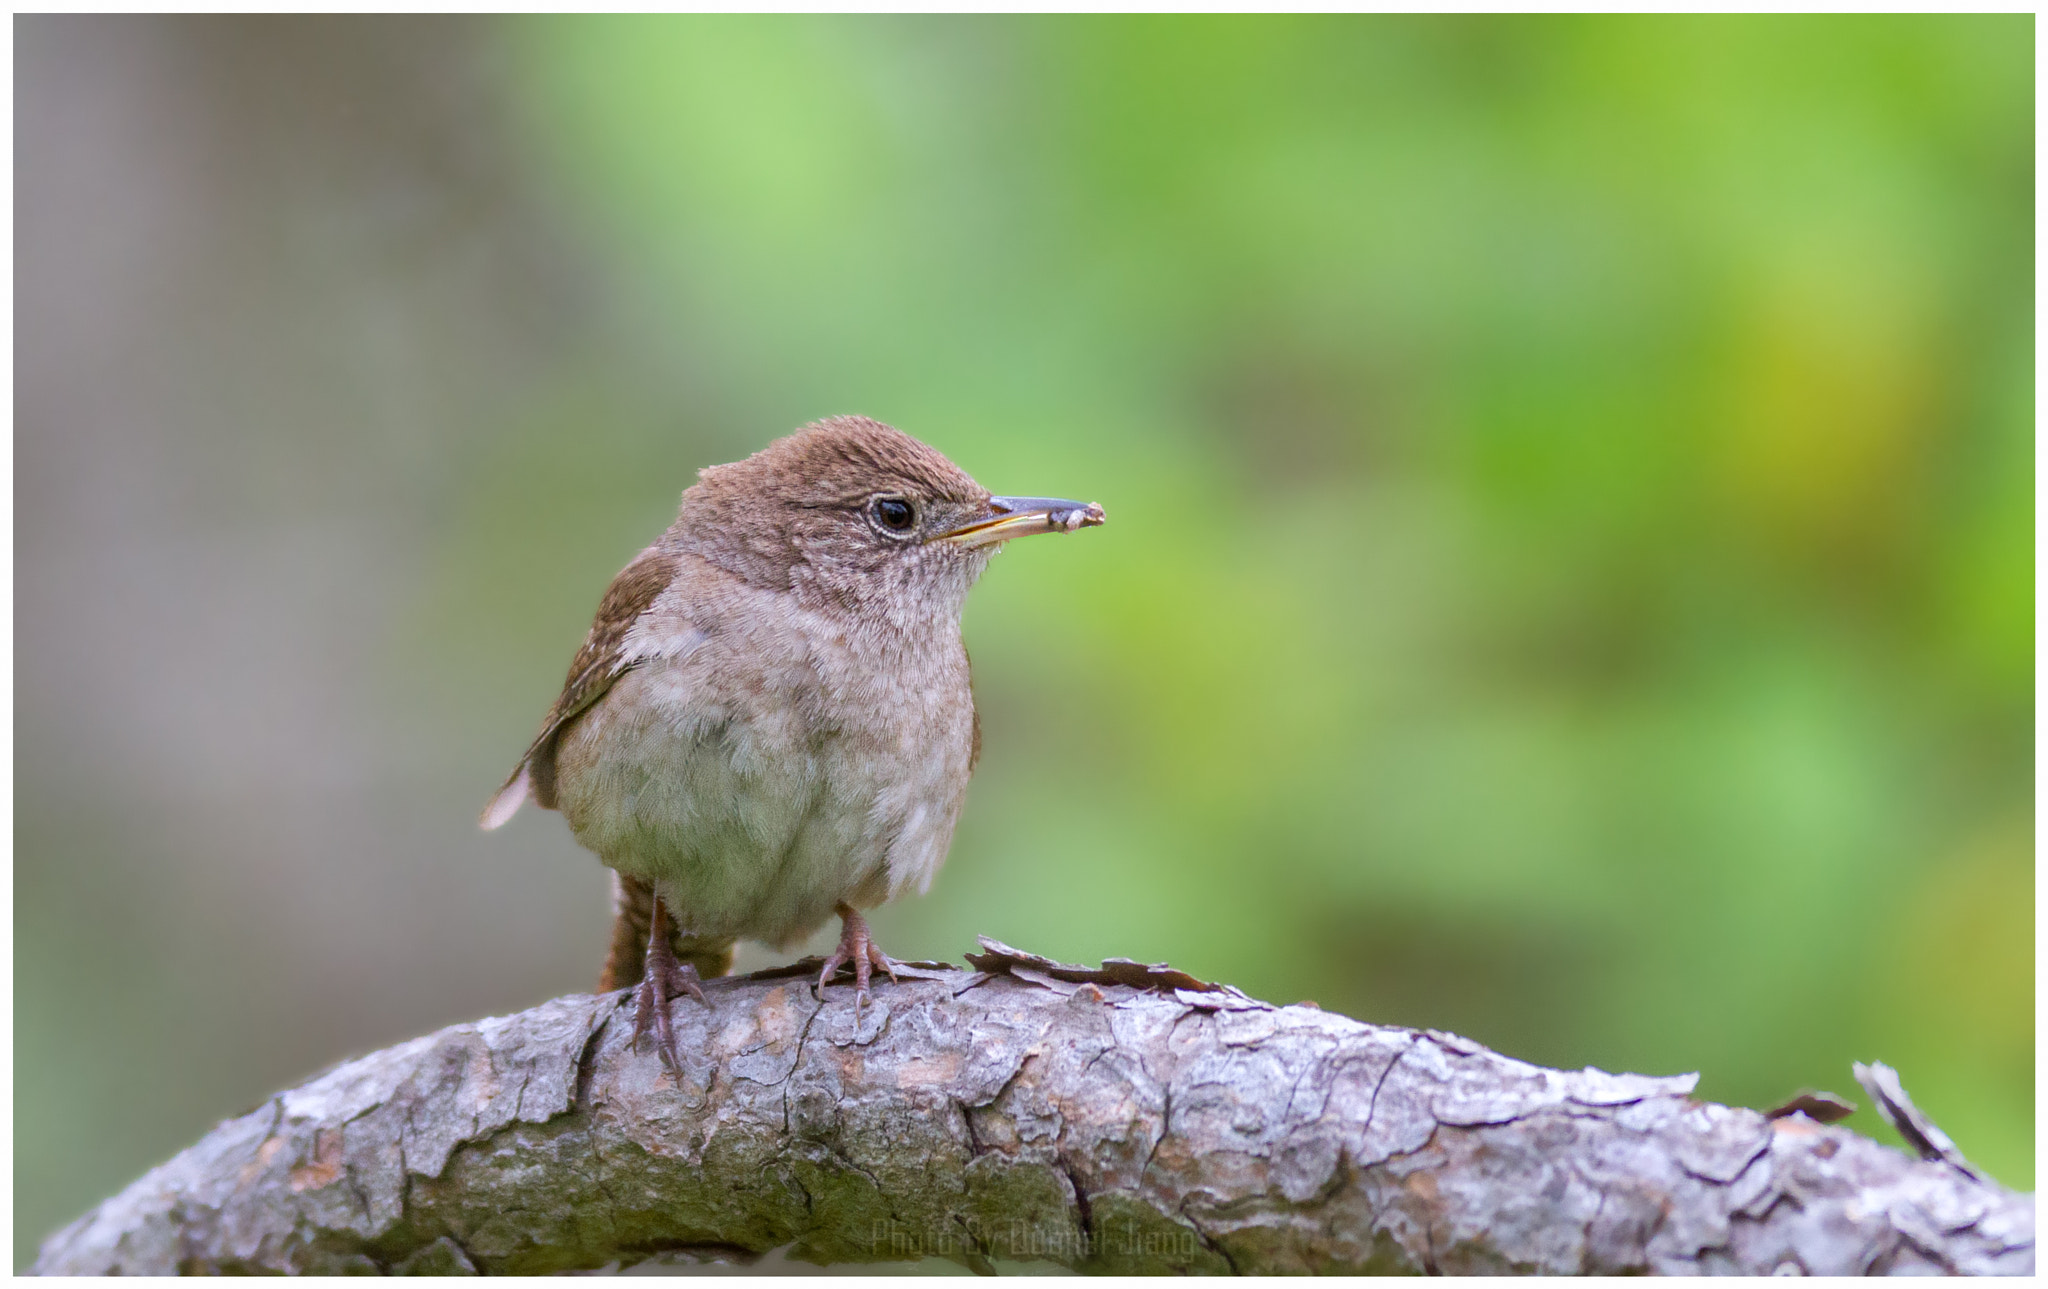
x=605 y=656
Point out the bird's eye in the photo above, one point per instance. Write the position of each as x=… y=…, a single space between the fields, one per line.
x=893 y=514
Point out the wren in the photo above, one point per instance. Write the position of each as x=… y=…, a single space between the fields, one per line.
x=771 y=719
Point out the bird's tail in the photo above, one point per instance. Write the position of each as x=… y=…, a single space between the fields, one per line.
x=506 y=801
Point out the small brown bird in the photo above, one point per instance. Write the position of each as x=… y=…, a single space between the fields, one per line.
x=771 y=720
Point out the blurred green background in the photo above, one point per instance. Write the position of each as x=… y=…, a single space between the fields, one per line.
x=1569 y=582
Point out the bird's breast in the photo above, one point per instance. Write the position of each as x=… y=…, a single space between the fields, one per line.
x=759 y=788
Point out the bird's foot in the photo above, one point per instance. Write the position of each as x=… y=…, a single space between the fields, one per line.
x=857 y=946
x=663 y=981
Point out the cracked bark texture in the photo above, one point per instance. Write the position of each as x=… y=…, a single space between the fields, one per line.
x=1127 y=1120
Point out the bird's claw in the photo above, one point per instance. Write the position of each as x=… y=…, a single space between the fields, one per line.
x=856 y=946
x=664 y=980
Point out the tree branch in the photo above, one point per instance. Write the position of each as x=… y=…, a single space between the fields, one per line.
x=1123 y=1119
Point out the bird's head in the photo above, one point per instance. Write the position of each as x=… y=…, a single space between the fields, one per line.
x=854 y=513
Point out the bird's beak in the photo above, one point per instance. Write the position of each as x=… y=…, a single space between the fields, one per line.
x=1007 y=517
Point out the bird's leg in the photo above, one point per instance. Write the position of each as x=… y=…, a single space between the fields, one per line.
x=857 y=946
x=661 y=982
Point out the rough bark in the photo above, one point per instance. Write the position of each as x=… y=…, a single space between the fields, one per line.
x=1123 y=1119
